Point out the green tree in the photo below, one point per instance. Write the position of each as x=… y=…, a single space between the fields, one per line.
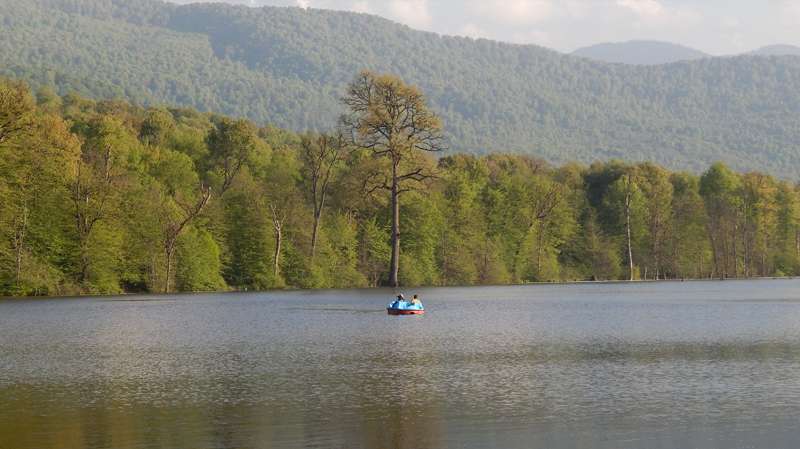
x=100 y=173
x=690 y=249
x=199 y=264
x=719 y=187
x=657 y=190
x=625 y=198
x=392 y=120
x=232 y=143
x=157 y=127
x=375 y=252
x=182 y=201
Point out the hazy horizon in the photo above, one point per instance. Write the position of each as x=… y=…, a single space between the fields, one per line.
x=716 y=27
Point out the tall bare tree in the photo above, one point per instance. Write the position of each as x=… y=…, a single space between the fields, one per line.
x=321 y=154
x=391 y=120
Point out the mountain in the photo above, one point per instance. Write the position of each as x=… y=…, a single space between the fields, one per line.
x=289 y=67
x=640 y=53
x=778 y=50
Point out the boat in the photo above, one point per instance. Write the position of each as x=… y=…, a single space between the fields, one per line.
x=401 y=307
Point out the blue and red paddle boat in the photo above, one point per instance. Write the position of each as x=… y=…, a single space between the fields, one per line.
x=403 y=307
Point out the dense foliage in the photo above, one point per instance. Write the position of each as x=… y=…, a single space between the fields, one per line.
x=105 y=197
x=289 y=66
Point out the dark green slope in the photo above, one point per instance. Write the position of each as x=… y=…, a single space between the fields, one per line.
x=288 y=66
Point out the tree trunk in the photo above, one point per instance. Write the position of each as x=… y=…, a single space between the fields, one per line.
x=714 y=250
x=656 y=236
x=699 y=268
x=84 y=274
x=19 y=265
x=168 y=252
x=539 y=244
x=445 y=259
x=315 y=230
x=278 y=242
x=735 y=253
x=797 y=243
x=20 y=231
x=628 y=231
x=394 y=273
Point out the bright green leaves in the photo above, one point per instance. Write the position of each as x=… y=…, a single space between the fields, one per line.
x=112 y=198
x=198 y=263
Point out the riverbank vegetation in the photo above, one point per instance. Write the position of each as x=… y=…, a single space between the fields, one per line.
x=107 y=197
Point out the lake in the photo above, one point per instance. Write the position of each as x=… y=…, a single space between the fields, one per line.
x=649 y=365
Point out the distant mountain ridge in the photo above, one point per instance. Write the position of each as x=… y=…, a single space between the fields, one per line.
x=778 y=50
x=289 y=67
x=640 y=52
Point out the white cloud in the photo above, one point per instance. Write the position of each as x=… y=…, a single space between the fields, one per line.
x=654 y=16
x=411 y=12
x=513 y=11
x=576 y=9
x=305 y=4
x=643 y=8
x=791 y=10
x=537 y=37
x=731 y=22
x=361 y=6
x=473 y=31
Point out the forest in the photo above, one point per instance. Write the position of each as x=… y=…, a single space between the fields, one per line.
x=105 y=197
x=288 y=67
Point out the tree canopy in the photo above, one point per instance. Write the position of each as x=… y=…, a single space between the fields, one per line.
x=108 y=197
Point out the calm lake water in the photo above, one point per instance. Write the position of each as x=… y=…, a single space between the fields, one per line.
x=663 y=365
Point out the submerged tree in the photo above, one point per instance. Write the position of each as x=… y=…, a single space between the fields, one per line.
x=391 y=120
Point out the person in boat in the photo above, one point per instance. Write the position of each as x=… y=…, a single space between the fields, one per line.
x=401 y=298
x=415 y=300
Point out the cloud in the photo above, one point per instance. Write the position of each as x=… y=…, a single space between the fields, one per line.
x=305 y=4
x=473 y=31
x=576 y=9
x=411 y=12
x=361 y=6
x=538 y=37
x=791 y=10
x=643 y=8
x=513 y=12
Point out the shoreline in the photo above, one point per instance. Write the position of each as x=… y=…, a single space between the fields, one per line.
x=156 y=296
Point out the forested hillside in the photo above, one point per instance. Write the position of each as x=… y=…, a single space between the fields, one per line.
x=288 y=67
x=106 y=197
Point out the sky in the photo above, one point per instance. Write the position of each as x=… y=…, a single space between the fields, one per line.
x=715 y=26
